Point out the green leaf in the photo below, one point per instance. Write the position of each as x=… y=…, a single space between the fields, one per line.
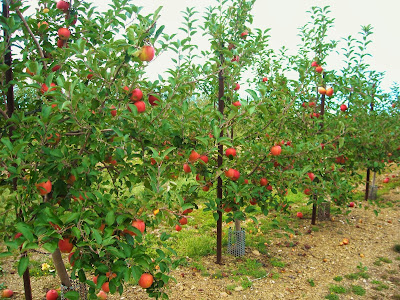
x=7 y=143
x=50 y=247
x=72 y=295
x=216 y=216
x=23 y=264
x=110 y=218
x=252 y=93
x=25 y=230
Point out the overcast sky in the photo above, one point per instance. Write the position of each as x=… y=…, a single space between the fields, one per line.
x=284 y=17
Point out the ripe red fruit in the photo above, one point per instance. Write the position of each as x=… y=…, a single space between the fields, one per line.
x=299 y=215
x=65 y=245
x=237 y=86
x=194 y=156
x=113 y=111
x=146 y=53
x=45 y=88
x=329 y=91
x=178 y=228
x=314 y=64
x=95 y=279
x=7 y=293
x=71 y=262
x=246 y=181
x=263 y=181
x=61 y=43
x=231 y=46
x=343 y=107
x=137 y=95
x=230 y=152
x=311 y=104
x=235 y=58
x=311 y=176
x=153 y=99
x=64 y=34
x=56 y=68
x=386 y=180
x=204 y=158
x=17 y=235
x=52 y=295
x=276 y=150
x=269 y=188
x=102 y=295
x=89 y=76
x=183 y=221
x=236 y=175
x=351 y=204
x=187 y=211
x=44 y=187
x=63 y=5
x=319 y=69
x=106 y=287
x=244 y=34
x=253 y=201
x=187 y=168
x=322 y=90
x=237 y=104
x=146 y=280
x=44 y=24
x=265 y=79
x=140 y=225
x=141 y=106
x=227 y=209
x=307 y=191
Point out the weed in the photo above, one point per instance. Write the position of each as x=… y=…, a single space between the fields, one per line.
x=364 y=275
x=337 y=289
x=358 y=290
x=192 y=245
x=311 y=282
x=246 y=283
x=385 y=260
x=332 y=297
x=397 y=258
x=251 y=267
x=338 y=278
x=352 y=276
x=277 y=263
x=377 y=263
x=230 y=287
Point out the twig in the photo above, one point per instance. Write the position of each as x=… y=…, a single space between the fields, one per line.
x=30 y=33
x=3 y=113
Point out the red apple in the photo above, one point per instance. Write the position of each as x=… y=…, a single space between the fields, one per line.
x=44 y=187
x=56 y=68
x=244 y=34
x=183 y=221
x=61 y=43
x=71 y=261
x=269 y=188
x=7 y=293
x=44 y=23
x=276 y=150
x=146 y=280
x=186 y=168
x=329 y=92
x=95 y=279
x=146 y=53
x=137 y=95
x=17 y=235
x=322 y=90
x=204 y=158
x=106 y=287
x=63 y=5
x=187 y=211
x=139 y=224
x=178 y=228
x=89 y=76
x=246 y=181
x=230 y=152
x=45 y=88
x=311 y=104
x=386 y=180
x=141 y=106
x=311 y=176
x=153 y=100
x=263 y=181
x=65 y=245
x=235 y=58
x=343 y=107
x=307 y=191
x=237 y=104
x=52 y=294
x=351 y=204
x=113 y=111
x=299 y=215
x=253 y=201
x=64 y=34
x=237 y=87
x=319 y=69
x=194 y=156
x=265 y=79
x=102 y=295
x=314 y=64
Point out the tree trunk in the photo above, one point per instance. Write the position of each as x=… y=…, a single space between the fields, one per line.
x=60 y=267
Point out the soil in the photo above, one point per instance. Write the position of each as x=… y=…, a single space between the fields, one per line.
x=312 y=257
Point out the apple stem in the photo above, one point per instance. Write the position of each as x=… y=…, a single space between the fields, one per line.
x=60 y=267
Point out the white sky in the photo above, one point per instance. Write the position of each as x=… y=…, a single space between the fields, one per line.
x=284 y=17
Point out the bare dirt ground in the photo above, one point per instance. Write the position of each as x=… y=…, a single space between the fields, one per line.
x=312 y=261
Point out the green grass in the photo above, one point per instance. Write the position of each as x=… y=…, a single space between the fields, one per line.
x=358 y=290
x=277 y=263
x=379 y=286
x=193 y=245
x=352 y=276
x=311 y=282
x=246 y=283
x=338 y=278
x=337 y=289
x=385 y=260
x=250 y=267
x=332 y=297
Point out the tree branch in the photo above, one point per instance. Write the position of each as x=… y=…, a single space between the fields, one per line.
x=4 y=114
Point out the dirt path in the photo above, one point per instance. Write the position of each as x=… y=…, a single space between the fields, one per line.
x=310 y=259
